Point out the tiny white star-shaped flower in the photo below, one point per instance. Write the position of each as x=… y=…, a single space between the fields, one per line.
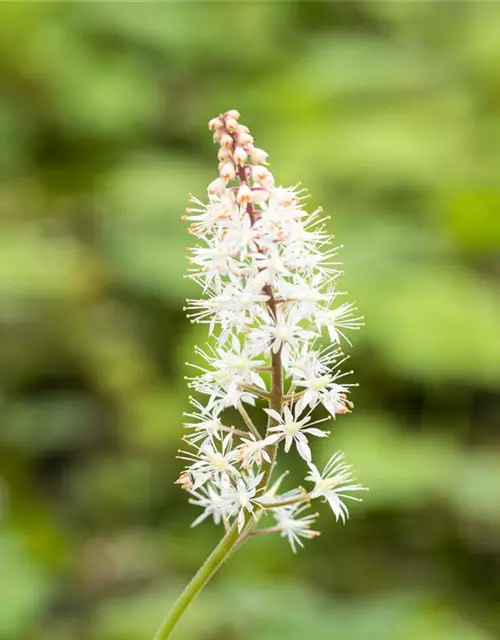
x=333 y=484
x=293 y=428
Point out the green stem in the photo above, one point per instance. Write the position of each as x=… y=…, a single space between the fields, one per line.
x=202 y=576
x=285 y=503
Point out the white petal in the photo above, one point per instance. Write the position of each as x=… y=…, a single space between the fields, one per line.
x=316 y=432
x=241 y=520
x=304 y=450
x=274 y=414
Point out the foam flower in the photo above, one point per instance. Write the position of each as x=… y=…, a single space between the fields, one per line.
x=268 y=275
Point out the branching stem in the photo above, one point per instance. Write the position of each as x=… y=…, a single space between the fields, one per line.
x=303 y=497
x=248 y=421
x=261 y=532
x=255 y=390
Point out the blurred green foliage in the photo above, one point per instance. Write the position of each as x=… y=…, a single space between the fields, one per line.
x=390 y=113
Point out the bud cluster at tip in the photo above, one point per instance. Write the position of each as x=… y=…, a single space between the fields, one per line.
x=239 y=159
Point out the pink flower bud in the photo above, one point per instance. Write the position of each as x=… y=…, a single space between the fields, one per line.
x=244 y=194
x=232 y=125
x=240 y=155
x=258 y=156
x=217 y=187
x=262 y=176
x=224 y=155
x=226 y=140
x=233 y=113
x=215 y=123
x=185 y=481
x=245 y=139
x=227 y=171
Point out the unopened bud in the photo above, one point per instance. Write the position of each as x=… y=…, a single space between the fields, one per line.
x=233 y=113
x=217 y=187
x=223 y=155
x=262 y=176
x=240 y=155
x=227 y=171
x=258 y=156
x=185 y=481
x=215 y=123
x=226 y=140
x=244 y=194
x=244 y=139
x=231 y=125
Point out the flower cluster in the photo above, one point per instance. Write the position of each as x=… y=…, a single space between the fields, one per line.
x=269 y=277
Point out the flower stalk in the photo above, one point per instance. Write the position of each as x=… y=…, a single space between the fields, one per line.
x=199 y=580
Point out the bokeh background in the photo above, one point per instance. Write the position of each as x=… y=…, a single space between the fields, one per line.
x=390 y=113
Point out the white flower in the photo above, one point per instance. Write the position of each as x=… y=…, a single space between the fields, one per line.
x=335 y=400
x=283 y=334
x=253 y=451
x=283 y=198
x=310 y=362
x=227 y=499
x=335 y=320
x=207 y=218
x=242 y=238
x=270 y=263
x=213 y=503
x=239 y=362
x=293 y=429
x=235 y=306
x=222 y=390
x=304 y=296
x=209 y=462
x=207 y=424
x=228 y=370
x=293 y=527
x=333 y=484
x=241 y=495
x=244 y=297
x=318 y=386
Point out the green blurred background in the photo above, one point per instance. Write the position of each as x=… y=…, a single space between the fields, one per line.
x=390 y=113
